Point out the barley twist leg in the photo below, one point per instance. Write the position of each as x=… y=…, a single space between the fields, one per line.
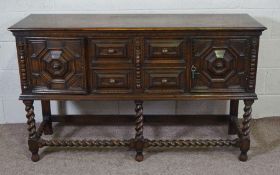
x=139 y=138
x=245 y=136
x=32 y=138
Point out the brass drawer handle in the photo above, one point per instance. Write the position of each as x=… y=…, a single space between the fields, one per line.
x=164 y=50
x=112 y=81
x=164 y=80
x=110 y=51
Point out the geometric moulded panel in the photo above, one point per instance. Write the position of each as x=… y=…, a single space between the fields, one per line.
x=221 y=65
x=57 y=65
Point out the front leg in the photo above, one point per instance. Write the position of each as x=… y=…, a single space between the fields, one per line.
x=245 y=136
x=139 y=138
x=33 y=137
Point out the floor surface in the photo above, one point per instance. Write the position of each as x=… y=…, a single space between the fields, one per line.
x=264 y=156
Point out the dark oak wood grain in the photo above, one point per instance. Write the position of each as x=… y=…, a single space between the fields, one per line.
x=137 y=57
x=233 y=110
x=138 y=22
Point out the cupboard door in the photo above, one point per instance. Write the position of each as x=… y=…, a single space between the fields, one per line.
x=219 y=64
x=57 y=65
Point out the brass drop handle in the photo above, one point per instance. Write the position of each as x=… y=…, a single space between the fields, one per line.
x=112 y=81
x=164 y=50
x=164 y=80
x=110 y=51
x=194 y=72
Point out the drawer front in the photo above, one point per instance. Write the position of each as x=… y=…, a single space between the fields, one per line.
x=219 y=64
x=168 y=50
x=112 y=81
x=164 y=81
x=110 y=50
x=57 y=65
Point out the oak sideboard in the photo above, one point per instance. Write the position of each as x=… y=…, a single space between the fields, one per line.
x=137 y=57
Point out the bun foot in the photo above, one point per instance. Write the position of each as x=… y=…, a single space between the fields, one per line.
x=35 y=157
x=243 y=157
x=139 y=157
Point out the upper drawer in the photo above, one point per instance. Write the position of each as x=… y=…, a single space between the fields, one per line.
x=105 y=50
x=57 y=65
x=168 y=50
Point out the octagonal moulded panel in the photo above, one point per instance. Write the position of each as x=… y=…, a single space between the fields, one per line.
x=216 y=69
x=57 y=65
x=220 y=64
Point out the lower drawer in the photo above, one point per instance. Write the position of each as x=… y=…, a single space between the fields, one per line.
x=164 y=80
x=112 y=81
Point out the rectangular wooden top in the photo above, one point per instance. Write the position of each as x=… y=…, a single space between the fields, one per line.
x=138 y=22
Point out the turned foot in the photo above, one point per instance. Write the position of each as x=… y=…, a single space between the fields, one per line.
x=139 y=157
x=243 y=156
x=34 y=149
x=35 y=157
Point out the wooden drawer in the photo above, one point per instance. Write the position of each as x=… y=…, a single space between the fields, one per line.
x=103 y=50
x=112 y=81
x=168 y=50
x=57 y=65
x=164 y=80
x=219 y=64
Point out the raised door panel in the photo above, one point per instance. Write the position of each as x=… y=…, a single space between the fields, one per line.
x=219 y=64
x=57 y=65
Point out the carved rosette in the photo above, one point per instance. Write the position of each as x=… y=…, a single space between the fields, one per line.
x=138 y=54
x=253 y=64
x=22 y=65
